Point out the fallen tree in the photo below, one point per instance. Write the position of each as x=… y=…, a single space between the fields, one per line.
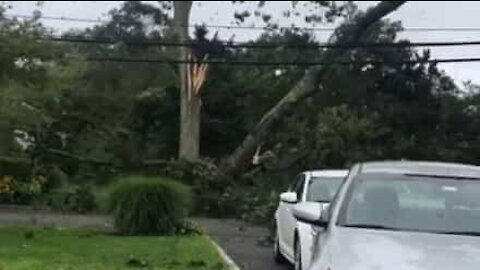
x=239 y=160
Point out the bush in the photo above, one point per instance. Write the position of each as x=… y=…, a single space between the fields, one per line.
x=79 y=199
x=206 y=181
x=148 y=205
x=189 y=228
x=49 y=176
x=53 y=200
x=19 y=192
x=27 y=192
x=260 y=207
x=253 y=198
x=8 y=186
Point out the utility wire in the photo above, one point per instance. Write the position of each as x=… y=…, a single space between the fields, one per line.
x=80 y=39
x=122 y=59
x=53 y=18
x=276 y=63
x=260 y=28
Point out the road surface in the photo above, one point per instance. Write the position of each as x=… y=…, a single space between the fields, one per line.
x=244 y=243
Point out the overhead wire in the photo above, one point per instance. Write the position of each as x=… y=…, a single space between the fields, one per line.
x=246 y=27
x=97 y=40
x=247 y=45
x=278 y=63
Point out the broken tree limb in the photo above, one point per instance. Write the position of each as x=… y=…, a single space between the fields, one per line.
x=239 y=160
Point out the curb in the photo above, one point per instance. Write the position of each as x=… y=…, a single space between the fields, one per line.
x=232 y=265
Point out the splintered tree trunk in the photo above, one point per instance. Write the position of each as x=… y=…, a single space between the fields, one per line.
x=190 y=104
x=189 y=127
x=239 y=160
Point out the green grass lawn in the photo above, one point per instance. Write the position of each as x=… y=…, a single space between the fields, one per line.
x=65 y=249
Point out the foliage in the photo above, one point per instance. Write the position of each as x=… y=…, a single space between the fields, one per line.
x=188 y=227
x=73 y=199
x=311 y=12
x=253 y=198
x=127 y=113
x=206 y=181
x=7 y=188
x=50 y=176
x=21 y=191
x=147 y=205
x=258 y=199
x=260 y=207
x=81 y=200
x=28 y=192
x=16 y=167
x=190 y=172
x=72 y=249
x=343 y=138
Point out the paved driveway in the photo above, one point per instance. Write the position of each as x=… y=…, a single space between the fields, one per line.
x=23 y=216
x=243 y=243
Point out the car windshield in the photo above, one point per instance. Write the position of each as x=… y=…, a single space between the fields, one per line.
x=323 y=189
x=413 y=203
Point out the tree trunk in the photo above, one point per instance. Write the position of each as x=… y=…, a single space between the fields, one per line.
x=190 y=104
x=239 y=160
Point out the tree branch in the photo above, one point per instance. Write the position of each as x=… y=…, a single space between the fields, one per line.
x=238 y=161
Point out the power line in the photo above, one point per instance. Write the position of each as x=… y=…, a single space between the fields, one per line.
x=80 y=39
x=53 y=18
x=277 y=63
x=259 y=28
x=268 y=63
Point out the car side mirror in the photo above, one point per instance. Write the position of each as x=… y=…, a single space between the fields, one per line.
x=289 y=197
x=313 y=213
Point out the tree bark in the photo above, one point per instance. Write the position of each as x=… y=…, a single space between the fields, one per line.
x=190 y=104
x=239 y=160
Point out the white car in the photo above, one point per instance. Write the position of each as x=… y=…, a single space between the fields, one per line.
x=293 y=240
x=398 y=216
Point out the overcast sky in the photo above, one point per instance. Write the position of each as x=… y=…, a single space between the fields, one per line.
x=439 y=14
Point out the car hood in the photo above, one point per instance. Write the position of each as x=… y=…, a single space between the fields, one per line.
x=367 y=249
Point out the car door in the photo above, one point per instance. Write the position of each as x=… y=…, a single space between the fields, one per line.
x=288 y=222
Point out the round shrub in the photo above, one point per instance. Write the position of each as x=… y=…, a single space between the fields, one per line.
x=148 y=205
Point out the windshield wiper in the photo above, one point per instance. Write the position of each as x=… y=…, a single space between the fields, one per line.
x=370 y=226
x=470 y=233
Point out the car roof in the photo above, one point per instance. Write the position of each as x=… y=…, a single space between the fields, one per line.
x=426 y=168
x=328 y=173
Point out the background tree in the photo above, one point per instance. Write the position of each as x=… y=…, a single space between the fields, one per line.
x=190 y=103
x=33 y=77
x=123 y=111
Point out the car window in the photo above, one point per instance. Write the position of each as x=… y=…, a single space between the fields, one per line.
x=323 y=189
x=417 y=203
